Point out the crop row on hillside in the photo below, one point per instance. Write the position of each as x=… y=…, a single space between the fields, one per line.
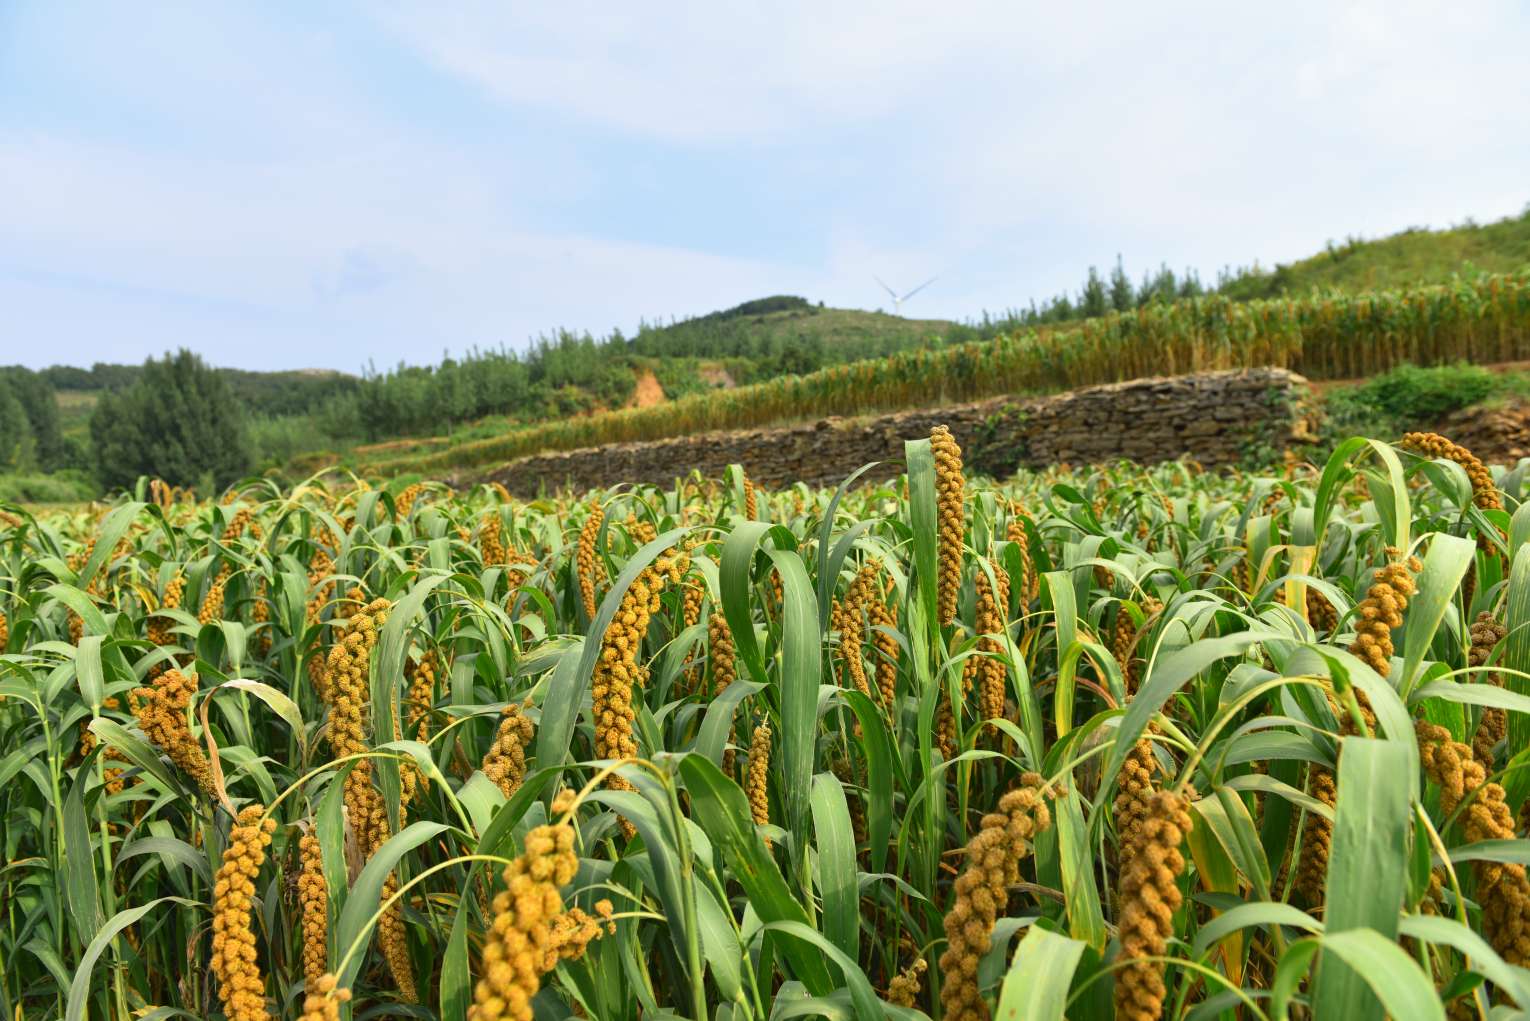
x=1486 y=319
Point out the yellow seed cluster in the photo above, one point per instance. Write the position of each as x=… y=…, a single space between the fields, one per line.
x=1317 y=836
x=1503 y=888
x=1381 y=612
x=393 y=938
x=591 y=570
x=490 y=546
x=982 y=894
x=992 y=619
x=1321 y=614
x=575 y=929
x=1486 y=633
x=241 y=986
x=945 y=726
x=160 y=708
x=757 y=782
x=320 y=583
x=237 y=524
x=883 y=620
x=950 y=500
x=322 y=1001
x=903 y=990
x=1484 y=493
x=421 y=674
x=347 y=669
x=642 y=532
x=722 y=653
x=1151 y=864
x=505 y=764
x=159 y=627
x=693 y=595
x=1015 y=532
x=260 y=613
x=313 y=900
x=847 y=618
x=518 y=569
x=751 y=501
x=619 y=668
x=520 y=947
x=1134 y=791
x=5 y=630
x=212 y=603
x=404 y=502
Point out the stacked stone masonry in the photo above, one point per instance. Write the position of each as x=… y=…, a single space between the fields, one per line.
x=1217 y=418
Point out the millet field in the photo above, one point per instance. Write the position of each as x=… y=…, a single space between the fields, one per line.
x=1094 y=743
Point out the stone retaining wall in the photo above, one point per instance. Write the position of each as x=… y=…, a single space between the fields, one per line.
x=1215 y=417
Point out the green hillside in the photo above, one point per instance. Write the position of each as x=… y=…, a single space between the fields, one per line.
x=567 y=387
x=1413 y=256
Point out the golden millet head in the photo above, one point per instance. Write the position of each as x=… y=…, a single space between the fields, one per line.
x=950 y=502
x=322 y=1001
x=1151 y=864
x=241 y=986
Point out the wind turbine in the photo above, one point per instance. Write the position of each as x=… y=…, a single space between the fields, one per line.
x=897 y=301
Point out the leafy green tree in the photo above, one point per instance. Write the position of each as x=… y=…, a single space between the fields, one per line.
x=1092 y=302
x=179 y=421
x=1123 y=297
x=17 y=445
x=40 y=403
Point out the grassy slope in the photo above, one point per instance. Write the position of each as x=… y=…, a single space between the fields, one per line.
x=841 y=327
x=1410 y=257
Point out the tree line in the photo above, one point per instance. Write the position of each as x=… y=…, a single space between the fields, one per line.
x=178 y=419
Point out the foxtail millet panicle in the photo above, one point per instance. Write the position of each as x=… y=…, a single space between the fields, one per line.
x=322 y=1000
x=720 y=653
x=992 y=620
x=1486 y=633
x=212 y=603
x=1484 y=492
x=1502 y=888
x=1015 y=532
x=903 y=990
x=313 y=900
x=1317 y=836
x=950 y=502
x=1381 y=612
x=619 y=667
x=241 y=986
x=751 y=501
x=883 y=621
x=505 y=763
x=158 y=626
x=982 y=891
x=587 y=561
x=519 y=947
x=491 y=547
x=1150 y=869
x=757 y=781
x=1134 y=791
x=161 y=712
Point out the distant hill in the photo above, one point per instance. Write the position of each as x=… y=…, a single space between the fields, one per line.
x=765 y=326
x=1412 y=256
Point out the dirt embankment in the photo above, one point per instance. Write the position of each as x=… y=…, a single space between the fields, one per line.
x=647 y=392
x=1496 y=433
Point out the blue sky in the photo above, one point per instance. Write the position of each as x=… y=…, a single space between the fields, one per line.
x=291 y=185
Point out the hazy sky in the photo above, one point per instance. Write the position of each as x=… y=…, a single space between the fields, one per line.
x=288 y=184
